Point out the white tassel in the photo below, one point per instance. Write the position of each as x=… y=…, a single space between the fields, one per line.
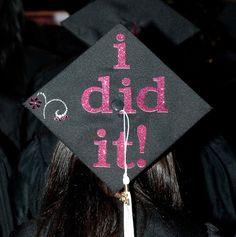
x=128 y=218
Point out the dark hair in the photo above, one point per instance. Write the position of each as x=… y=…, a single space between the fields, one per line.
x=75 y=201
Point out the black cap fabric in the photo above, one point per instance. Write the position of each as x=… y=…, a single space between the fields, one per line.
x=81 y=106
x=96 y=19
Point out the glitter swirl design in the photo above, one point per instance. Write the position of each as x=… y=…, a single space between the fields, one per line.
x=58 y=116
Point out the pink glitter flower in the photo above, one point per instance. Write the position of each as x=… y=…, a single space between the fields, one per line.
x=35 y=103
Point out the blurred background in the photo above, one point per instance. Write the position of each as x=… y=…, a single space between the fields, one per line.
x=34 y=47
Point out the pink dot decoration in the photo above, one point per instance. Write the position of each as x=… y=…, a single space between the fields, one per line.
x=126 y=81
x=120 y=37
x=101 y=132
x=141 y=163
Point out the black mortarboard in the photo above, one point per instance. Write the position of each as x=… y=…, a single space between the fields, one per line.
x=81 y=106
x=96 y=19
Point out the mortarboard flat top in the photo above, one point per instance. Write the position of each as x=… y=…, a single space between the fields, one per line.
x=79 y=106
x=96 y=19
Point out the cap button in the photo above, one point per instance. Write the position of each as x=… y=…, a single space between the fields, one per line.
x=117 y=105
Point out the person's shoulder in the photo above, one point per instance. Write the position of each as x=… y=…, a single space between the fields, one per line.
x=174 y=224
x=171 y=223
x=28 y=229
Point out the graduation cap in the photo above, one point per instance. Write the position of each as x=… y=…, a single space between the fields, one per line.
x=97 y=18
x=82 y=106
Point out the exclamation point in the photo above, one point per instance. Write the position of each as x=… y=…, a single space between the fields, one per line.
x=142 y=136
